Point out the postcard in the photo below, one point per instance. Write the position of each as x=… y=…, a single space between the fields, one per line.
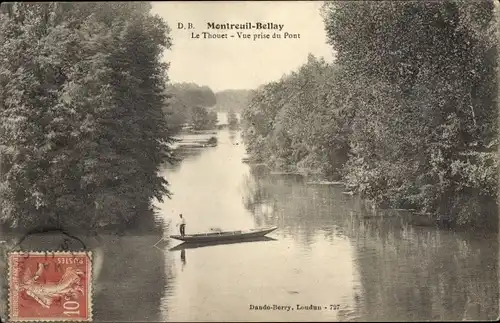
x=249 y=161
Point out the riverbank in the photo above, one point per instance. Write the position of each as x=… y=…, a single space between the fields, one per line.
x=195 y=140
x=384 y=270
x=145 y=224
x=412 y=217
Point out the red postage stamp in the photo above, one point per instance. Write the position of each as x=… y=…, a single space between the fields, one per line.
x=50 y=286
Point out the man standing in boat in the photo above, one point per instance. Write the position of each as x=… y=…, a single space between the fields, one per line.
x=182 y=225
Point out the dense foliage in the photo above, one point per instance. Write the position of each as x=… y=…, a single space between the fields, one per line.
x=406 y=114
x=232 y=120
x=82 y=130
x=235 y=100
x=202 y=118
x=298 y=123
x=189 y=103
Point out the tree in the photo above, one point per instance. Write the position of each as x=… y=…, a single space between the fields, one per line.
x=185 y=100
x=81 y=121
x=424 y=78
x=202 y=119
x=235 y=100
x=232 y=120
x=406 y=114
x=299 y=120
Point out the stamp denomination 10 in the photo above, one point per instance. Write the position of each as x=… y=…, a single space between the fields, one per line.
x=46 y=286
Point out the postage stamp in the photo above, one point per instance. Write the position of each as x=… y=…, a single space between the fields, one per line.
x=50 y=286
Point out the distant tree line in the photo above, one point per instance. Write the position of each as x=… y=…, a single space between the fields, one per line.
x=406 y=114
x=232 y=100
x=191 y=104
x=82 y=127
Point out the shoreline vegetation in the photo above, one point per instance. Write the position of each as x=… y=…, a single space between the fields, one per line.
x=409 y=215
x=404 y=122
x=78 y=149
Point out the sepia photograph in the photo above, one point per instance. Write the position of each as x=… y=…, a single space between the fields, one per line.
x=249 y=161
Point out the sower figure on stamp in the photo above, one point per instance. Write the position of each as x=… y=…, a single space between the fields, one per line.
x=182 y=225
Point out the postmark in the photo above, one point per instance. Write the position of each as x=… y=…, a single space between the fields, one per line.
x=50 y=286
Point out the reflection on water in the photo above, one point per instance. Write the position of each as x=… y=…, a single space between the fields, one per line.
x=324 y=253
x=183 y=257
x=133 y=274
x=327 y=251
x=425 y=274
x=129 y=274
x=403 y=272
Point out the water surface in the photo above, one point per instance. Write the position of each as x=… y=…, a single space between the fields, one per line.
x=324 y=253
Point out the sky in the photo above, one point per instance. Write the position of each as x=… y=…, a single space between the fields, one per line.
x=235 y=63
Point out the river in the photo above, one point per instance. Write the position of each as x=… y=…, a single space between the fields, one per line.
x=325 y=255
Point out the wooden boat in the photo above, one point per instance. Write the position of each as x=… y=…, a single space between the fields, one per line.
x=194 y=245
x=225 y=235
